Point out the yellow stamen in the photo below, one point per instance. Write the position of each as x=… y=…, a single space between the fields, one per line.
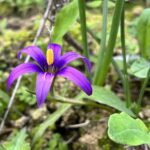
x=50 y=56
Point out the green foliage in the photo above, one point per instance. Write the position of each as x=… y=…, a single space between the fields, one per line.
x=25 y=96
x=122 y=128
x=3 y=24
x=16 y=142
x=57 y=143
x=143 y=33
x=139 y=68
x=22 y=5
x=104 y=62
x=125 y=130
x=64 y=20
x=13 y=38
x=40 y=130
x=100 y=95
x=4 y=98
x=107 y=97
x=94 y=4
x=97 y=3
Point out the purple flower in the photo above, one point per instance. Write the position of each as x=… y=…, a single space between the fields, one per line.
x=47 y=68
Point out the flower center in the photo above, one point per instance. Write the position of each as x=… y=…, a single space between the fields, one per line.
x=50 y=56
x=51 y=69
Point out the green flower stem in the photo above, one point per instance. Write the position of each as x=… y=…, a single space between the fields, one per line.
x=139 y=101
x=82 y=12
x=102 y=42
x=102 y=69
x=66 y=100
x=125 y=81
x=83 y=27
x=77 y=102
x=73 y=101
x=120 y=74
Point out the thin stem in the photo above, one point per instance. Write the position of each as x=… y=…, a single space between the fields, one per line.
x=102 y=42
x=139 y=101
x=82 y=12
x=111 y=44
x=83 y=27
x=126 y=81
x=77 y=102
x=66 y=100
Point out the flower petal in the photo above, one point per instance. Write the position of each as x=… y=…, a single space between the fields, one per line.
x=77 y=77
x=20 y=70
x=43 y=84
x=56 y=49
x=36 y=53
x=71 y=56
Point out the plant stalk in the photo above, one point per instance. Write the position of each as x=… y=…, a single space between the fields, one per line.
x=139 y=101
x=103 y=41
x=102 y=69
x=82 y=12
x=115 y=65
x=77 y=102
x=126 y=80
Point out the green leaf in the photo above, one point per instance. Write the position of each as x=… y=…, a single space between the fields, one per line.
x=25 y=96
x=4 y=96
x=64 y=20
x=17 y=142
x=106 y=97
x=139 y=68
x=98 y=3
x=143 y=33
x=50 y=121
x=125 y=130
x=57 y=143
x=94 y=4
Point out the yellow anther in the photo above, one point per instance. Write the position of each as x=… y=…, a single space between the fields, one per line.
x=50 y=56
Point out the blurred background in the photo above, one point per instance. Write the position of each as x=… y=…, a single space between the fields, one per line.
x=19 y=22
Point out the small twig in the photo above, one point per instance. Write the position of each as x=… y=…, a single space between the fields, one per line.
x=79 y=125
x=11 y=101
x=50 y=30
x=72 y=42
x=71 y=139
x=145 y=147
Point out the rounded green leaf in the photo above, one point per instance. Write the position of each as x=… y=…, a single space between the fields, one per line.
x=124 y=129
x=139 y=68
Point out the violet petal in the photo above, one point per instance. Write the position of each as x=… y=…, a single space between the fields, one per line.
x=43 y=85
x=36 y=53
x=71 y=56
x=20 y=70
x=77 y=78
